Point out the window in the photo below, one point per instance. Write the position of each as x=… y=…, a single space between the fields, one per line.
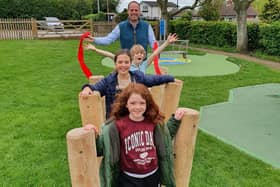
x=145 y=8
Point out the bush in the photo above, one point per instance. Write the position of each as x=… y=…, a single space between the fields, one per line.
x=264 y=37
x=253 y=36
x=96 y=17
x=212 y=33
x=270 y=38
x=121 y=16
x=181 y=27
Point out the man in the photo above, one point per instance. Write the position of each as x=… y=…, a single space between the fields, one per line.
x=130 y=32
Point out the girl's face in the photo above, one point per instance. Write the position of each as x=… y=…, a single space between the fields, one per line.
x=123 y=64
x=136 y=106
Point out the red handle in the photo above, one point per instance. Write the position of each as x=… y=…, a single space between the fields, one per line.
x=81 y=56
x=156 y=66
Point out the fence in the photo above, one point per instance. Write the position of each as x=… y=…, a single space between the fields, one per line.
x=102 y=28
x=16 y=29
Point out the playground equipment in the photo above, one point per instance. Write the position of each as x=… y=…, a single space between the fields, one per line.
x=83 y=162
x=179 y=47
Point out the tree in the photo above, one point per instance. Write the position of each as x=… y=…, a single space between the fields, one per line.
x=271 y=11
x=259 y=4
x=167 y=15
x=187 y=15
x=121 y=16
x=209 y=10
x=241 y=7
x=112 y=4
x=83 y=8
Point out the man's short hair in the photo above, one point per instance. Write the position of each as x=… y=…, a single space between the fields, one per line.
x=133 y=2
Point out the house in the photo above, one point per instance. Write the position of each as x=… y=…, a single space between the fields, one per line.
x=151 y=11
x=227 y=13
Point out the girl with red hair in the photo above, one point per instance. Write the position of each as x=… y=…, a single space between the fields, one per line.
x=135 y=143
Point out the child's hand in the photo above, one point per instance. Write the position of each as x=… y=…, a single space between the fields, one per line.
x=172 y=37
x=180 y=113
x=85 y=92
x=91 y=127
x=164 y=71
x=178 y=81
x=89 y=46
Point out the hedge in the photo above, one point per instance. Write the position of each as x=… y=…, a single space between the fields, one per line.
x=263 y=37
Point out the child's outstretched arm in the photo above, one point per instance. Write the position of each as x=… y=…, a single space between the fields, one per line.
x=89 y=46
x=170 y=39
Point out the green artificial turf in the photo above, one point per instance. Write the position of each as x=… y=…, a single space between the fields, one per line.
x=194 y=65
x=39 y=86
x=249 y=121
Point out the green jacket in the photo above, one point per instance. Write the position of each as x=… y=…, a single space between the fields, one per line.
x=108 y=146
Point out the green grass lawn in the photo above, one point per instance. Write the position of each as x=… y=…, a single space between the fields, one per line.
x=39 y=85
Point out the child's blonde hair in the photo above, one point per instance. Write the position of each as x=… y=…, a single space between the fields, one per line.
x=137 y=48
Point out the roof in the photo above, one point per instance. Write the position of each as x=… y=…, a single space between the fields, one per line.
x=228 y=10
x=155 y=4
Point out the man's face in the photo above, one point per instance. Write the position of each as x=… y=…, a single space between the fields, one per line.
x=133 y=12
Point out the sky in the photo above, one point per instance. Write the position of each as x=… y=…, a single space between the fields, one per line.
x=123 y=3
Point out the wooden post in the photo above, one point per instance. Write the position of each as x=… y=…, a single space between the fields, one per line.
x=171 y=98
x=94 y=79
x=184 y=146
x=91 y=26
x=91 y=110
x=158 y=93
x=84 y=170
x=34 y=28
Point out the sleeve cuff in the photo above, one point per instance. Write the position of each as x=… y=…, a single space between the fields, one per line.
x=173 y=118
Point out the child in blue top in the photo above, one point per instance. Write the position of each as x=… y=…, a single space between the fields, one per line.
x=116 y=81
x=138 y=53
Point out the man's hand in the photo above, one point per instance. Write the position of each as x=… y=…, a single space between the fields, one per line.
x=89 y=39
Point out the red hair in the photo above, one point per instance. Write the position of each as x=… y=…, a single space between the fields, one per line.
x=152 y=112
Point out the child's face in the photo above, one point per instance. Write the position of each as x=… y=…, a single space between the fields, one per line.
x=123 y=64
x=136 y=106
x=138 y=57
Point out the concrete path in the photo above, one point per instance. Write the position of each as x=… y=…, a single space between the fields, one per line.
x=271 y=64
